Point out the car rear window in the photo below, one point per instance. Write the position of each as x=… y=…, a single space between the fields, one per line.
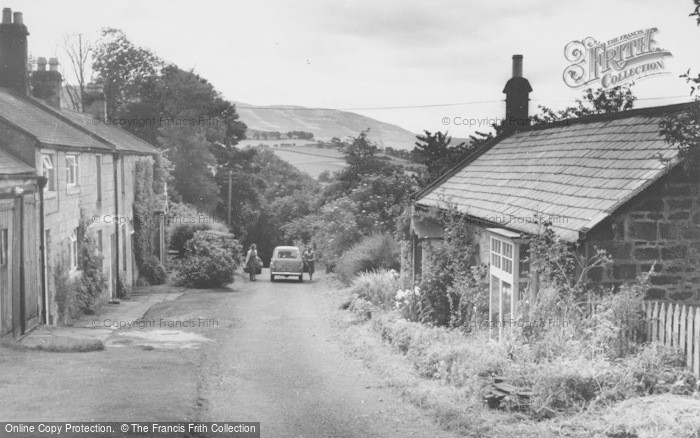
x=287 y=254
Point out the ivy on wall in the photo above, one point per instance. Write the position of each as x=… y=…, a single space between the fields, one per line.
x=145 y=225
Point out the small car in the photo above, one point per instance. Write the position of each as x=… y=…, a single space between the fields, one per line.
x=286 y=262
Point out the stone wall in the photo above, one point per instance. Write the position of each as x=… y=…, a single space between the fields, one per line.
x=658 y=230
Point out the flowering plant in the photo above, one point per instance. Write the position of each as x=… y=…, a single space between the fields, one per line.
x=408 y=301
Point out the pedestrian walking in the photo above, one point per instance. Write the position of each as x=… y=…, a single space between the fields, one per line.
x=251 y=261
x=309 y=258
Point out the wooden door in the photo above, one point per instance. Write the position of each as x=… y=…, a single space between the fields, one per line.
x=31 y=257
x=6 y=265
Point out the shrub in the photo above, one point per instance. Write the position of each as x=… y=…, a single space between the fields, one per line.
x=210 y=260
x=91 y=288
x=379 y=288
x=124 y=290
x=66 y=295
x=152 y=270
x=184 y=221
x=371 y=254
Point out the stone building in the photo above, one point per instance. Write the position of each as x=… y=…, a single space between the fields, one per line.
x=609 y=181
x=83 y=164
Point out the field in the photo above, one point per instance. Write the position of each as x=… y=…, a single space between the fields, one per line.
x=305 y=156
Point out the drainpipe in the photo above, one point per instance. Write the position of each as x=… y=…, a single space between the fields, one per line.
x=115 y=166
x=44 y=256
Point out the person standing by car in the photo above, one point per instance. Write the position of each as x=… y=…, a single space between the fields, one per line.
x=309 y=258
x=251 y=261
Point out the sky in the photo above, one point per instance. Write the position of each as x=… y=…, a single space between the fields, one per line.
x=378 y=57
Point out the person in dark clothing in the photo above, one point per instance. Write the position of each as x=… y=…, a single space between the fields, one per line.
x=251 y=261
x=309 y=258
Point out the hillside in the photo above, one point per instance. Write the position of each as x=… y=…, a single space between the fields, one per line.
x=323 y=123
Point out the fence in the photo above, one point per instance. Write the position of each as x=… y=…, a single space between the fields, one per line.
x=676 y=325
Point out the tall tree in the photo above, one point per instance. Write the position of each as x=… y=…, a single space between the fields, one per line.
x=436 y=152
x=79 y=50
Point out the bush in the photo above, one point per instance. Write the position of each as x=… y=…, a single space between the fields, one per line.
x=379 y=288
x=210 y=260
x=371 y=254
x=124 y=290
x=152 y=270
x=184 y=222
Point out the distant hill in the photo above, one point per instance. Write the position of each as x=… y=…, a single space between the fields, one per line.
x=323 y=123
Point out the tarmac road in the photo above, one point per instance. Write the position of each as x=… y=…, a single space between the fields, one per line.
x=275 y=360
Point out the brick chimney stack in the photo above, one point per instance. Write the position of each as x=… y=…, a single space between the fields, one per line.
x=517 y=92
x=47 y=85
x=94 y=101
x=13 y=52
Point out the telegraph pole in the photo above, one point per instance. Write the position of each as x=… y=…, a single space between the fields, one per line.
x=230 y=185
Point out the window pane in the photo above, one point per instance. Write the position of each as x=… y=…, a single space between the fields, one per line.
x=496 y=260
x=508 y=265
x=508 y=250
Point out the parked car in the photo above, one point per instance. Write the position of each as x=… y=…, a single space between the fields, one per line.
x=286 y=262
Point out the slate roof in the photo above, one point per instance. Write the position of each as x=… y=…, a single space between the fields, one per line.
x=576 y=173
x=122 y=140
x=66 y=128
x=11 y=165
x=43 y=125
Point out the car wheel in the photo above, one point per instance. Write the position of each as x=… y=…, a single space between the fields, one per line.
x=272 y=278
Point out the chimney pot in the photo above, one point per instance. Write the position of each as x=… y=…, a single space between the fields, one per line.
x=7 y=16
x=517 y=66
x=41 y=63
x=53 y=64
x=18 y=18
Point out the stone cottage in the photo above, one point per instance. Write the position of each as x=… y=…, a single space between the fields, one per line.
x=609 y=181
x=82 y=164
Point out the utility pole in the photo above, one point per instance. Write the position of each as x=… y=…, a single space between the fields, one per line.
x=230 y=185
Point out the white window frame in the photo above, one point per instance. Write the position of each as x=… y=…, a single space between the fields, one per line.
x=48 y=170
x=501 y=259
x=72 y=170
x=73 y=250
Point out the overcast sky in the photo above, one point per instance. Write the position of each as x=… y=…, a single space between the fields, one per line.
x=377 y=53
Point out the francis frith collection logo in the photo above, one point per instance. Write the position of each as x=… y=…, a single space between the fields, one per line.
x=618 y=61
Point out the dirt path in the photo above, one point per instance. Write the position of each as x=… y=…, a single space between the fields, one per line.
x=277 y=362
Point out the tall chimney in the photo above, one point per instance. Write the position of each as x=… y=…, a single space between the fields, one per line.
x=13 y=52
x=517 y=92
x=47 y=85
x=94 y=101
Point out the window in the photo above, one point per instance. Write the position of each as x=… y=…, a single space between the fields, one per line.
x=98 y=178
x=504 y=278
x=502 y=255
x=48 y=171
x=4 y=248
x=73 y=250
x=71 y=170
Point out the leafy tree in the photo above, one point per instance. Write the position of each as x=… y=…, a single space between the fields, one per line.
x=125 y=68
x=600 y=101
x=436 y=152
x=194 y=166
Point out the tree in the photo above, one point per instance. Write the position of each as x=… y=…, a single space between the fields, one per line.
x=194 y=166
x=435 y=151
x=682 y=131
x=79 y=52
x=125 y=68
x=600 y=101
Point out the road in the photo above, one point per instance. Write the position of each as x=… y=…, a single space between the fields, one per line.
x=278 y=362
x=253 y=351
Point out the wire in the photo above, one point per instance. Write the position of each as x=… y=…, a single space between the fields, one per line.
x=422 y=106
